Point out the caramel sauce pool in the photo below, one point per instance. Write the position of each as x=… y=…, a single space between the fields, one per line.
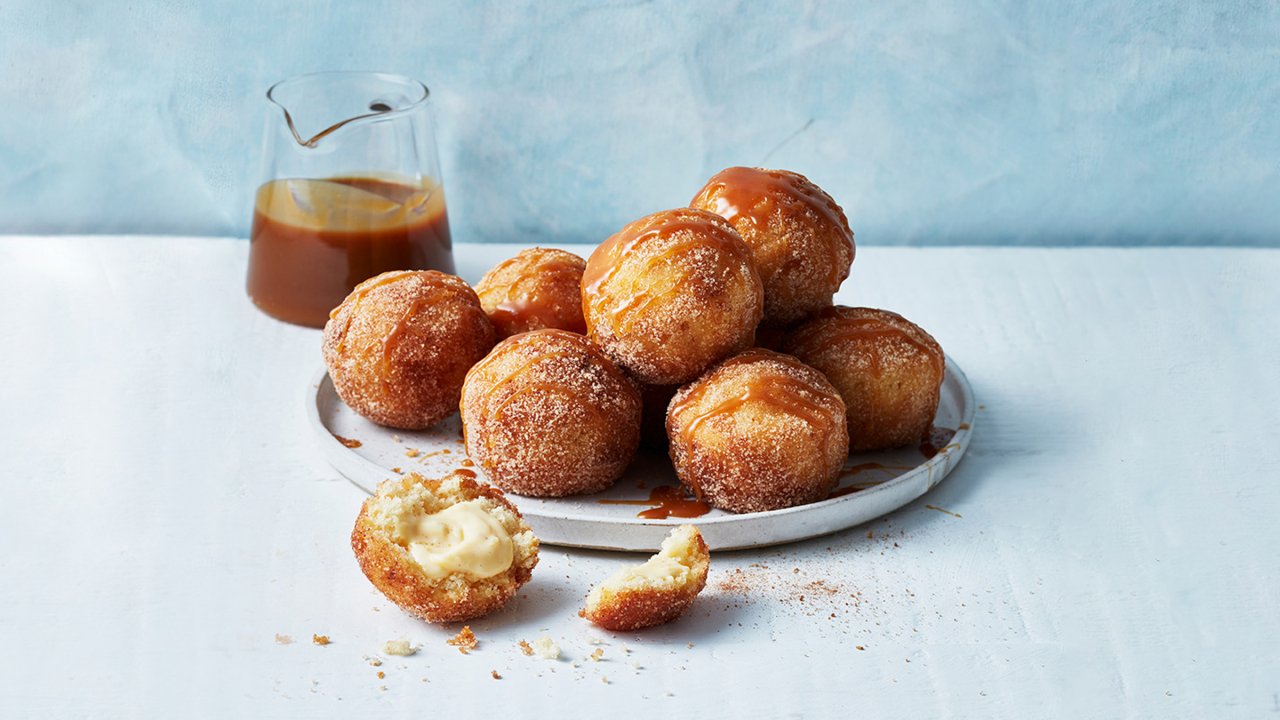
x=667 y=501
x=312 y=241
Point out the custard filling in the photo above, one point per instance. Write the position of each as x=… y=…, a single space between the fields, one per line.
x=462 y=538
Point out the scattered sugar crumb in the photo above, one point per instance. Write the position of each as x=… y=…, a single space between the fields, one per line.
x=411 y=452
x=398 y=647
x=689 y=645
x=546 y=648
x=604 y=679
x=595 y=656
x=320 y=639
x=283 y=639
x=381 y=675
x=465 y=640
x=525 y=647
x=375 y=662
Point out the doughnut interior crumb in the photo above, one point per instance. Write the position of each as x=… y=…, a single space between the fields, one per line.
x=283 y=639
x=319 y=639
x=465 y=640
x=398 y=647
x=546 y=648
x=655 y=592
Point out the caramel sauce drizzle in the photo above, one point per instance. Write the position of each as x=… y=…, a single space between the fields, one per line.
x=666 y=501
x=361 y=291
x=393 y=338
x=519 y=306
x=858 y=469
x=785 y=394
x=935 y=440
x=753 y=194
x=607 y=259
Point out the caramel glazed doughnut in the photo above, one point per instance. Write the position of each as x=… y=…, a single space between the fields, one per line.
x=799 y=236
x=760 y=431
x=548 y=414
x=672 y=293
x=398 y=347
x=888 y=370
x=538 y=288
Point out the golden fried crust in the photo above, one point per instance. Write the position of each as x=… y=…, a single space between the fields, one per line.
x=672 y=293
x=635 y=608
x=888 y=370
x=761 y=431
x=399 y=346
x=547 y=414
x=800 y=238
x=455 y=597
x=538 y=288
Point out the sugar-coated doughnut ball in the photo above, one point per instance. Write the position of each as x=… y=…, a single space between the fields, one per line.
x=801 y=239
x=671 y=294
x=760 y=431
x=538 y=288
x=444 y=550
x=548 y=414
x=888 y=371
x=399 y=346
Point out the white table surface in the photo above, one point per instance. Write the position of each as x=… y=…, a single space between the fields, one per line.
x=166 y=514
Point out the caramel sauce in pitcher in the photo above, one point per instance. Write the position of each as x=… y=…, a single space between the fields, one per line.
x=312 y=241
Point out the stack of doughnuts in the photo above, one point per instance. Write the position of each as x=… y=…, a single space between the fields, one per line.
x=709 y=329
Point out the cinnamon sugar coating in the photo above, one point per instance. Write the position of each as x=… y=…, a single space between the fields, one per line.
x=671 y=294
x=800 y=237
x=548 y=414
x=888 y=371
x=538 y=288
x=760 y=431
x=399 y=346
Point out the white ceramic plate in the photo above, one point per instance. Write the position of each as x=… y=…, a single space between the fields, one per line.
x=887 y=479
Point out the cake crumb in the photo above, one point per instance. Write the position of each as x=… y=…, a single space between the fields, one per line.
x=319 y=639
x=689 y=645
x=375 y=662
x=546 y=648
x=525 y=647
x=860 y=647
x=595 y=656
x=381 y=675
x=465 y=640
x=398 y=647
x=411 y=452
x=397 y=471
x=604 y=679
x=283 y=639
x=495 y=674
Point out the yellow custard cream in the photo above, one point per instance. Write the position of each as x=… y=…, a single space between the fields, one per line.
x=462 y=538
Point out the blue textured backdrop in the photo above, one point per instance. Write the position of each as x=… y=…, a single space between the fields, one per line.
x=946 y=121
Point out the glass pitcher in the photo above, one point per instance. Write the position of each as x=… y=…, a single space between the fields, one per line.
x=351 y=188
